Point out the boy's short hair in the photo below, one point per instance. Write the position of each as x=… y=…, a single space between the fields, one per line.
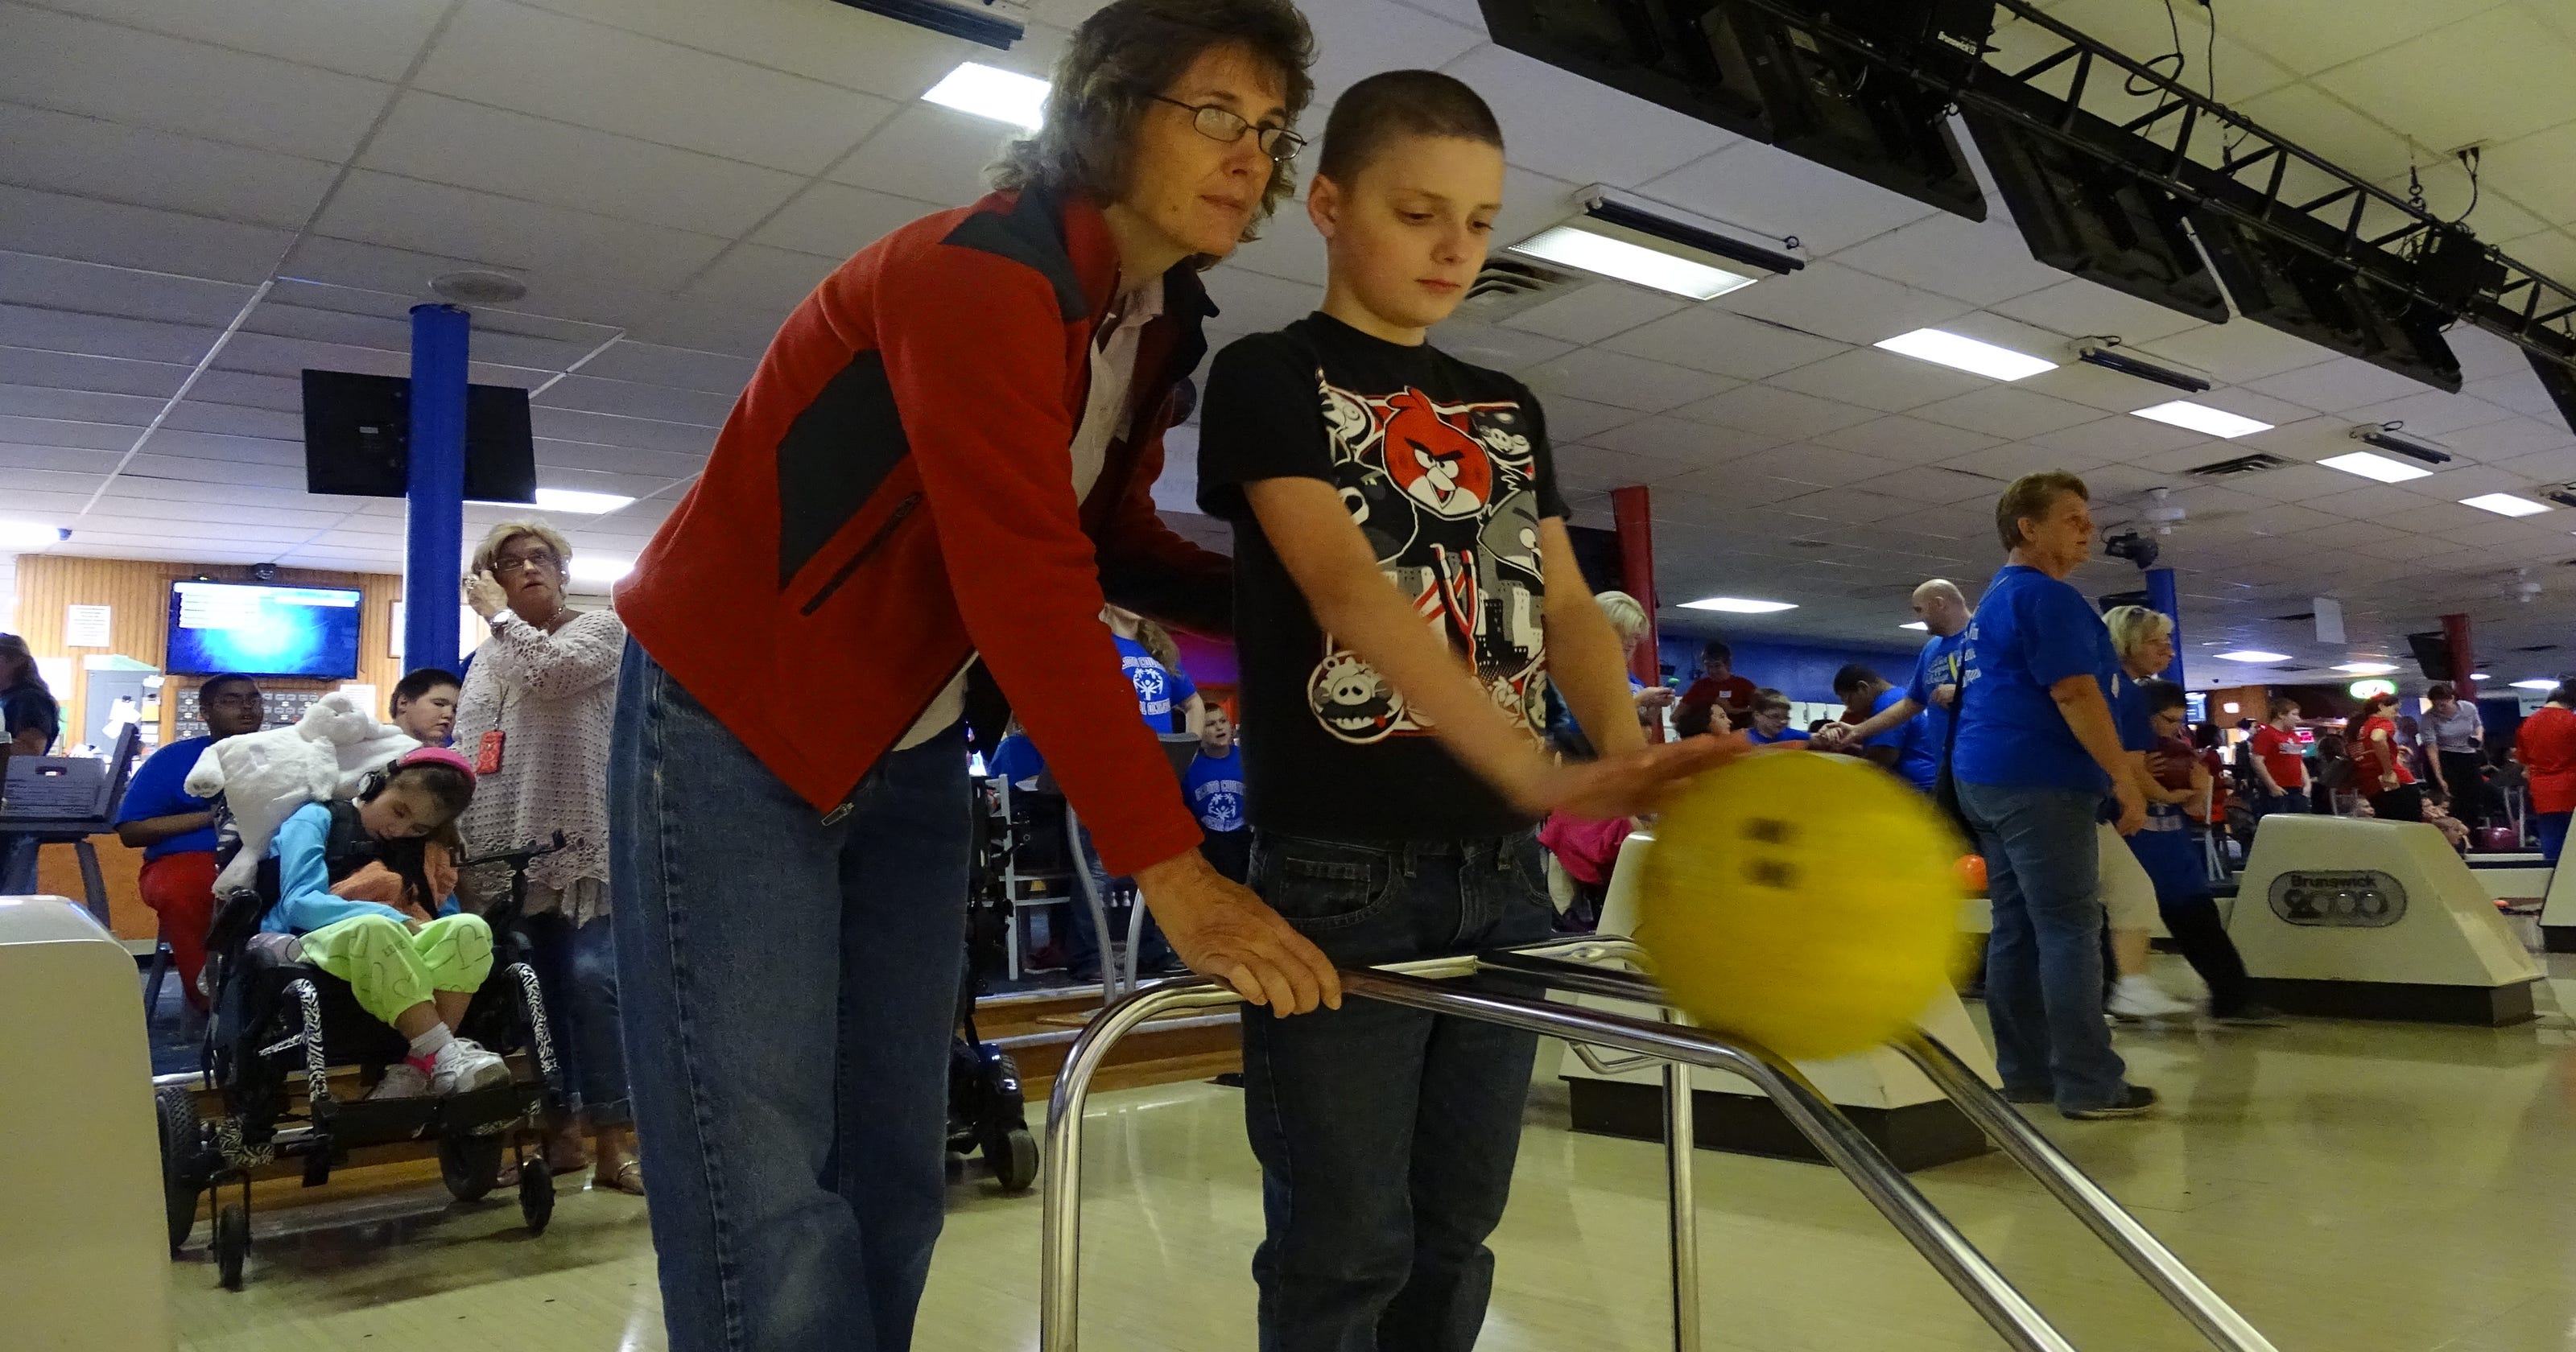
x=206 y=688
x=2440 y=690
x=1852 y=677
x=2162 y=695
x=1768 y=698
x=417 y=683
x=1120 y=61
x=1397 y=103
x=1715 y=650
x=2283 y=704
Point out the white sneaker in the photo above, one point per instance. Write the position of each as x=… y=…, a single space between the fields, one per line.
x=2135 y=997
x=462 y=1066
x=402 y=1080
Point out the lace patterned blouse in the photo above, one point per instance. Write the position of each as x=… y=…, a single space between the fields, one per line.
x=553 y=697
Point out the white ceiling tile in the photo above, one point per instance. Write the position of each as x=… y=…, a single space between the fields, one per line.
x=1572 y=420
x=1980 y=262
x=1825 y=466
x=2292 y=35
x=2015 y=459
x=2122 y=438
x=92 y=288
x=1724 y=497
x=2545 y=467
x=928 y=153
x=1628 y=382
x=1589 y=314
x=1591 y=467
x=833 y=43
x=2335 y=386
x=606 y=429
x=1782 y=414
x=1936 y=484
x=2007 y=411
x=835 y=219
x=378 y=40
x=1847 y=505
x=1687 y=445
x=1289 y=248
x=1493 y=345
x=629 y=399
x=579 y=455
x=2371 y=503
x=197 y=415
x=2238 y=352
x=1706 y=338
x=1904 y=440
x=511 y=56
x=26 y=401
x=272 y=355
x=92 y=157
x=1841 y=303
x=2467 y=481
x=2077 y=308
x=681 y=368
x=149 y=80
x=2521 y=392
x=102 y=335
x=1456 y=11
x=716 y=324
x=2493 y=76
x=2433 y=414
x=74 y=371
x=46 y=465
x=1874 y=378
x=58 y=432
x=1359 y=38
x=2341 y=131
x=408 y=214
x=1552 y=119
x=1765 y=188
x=137 y=237
x=2536 y=166
x=1260 y=303
x=491 y=149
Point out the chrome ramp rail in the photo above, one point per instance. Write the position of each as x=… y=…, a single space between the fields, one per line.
x=1439 y=985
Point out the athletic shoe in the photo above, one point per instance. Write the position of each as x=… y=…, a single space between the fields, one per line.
x=2138 y=998
x=2030 y=1096
x=2138 y=1102
x=2251 y=1016
x=462 y=1066
x=402 y=1080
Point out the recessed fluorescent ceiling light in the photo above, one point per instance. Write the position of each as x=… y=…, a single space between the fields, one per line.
x=2505 y=504
x=2480 y=676
x=989 y=91
x=1966 y=354
x=2368 y=668
x=2253 y=655
x=600 y=567
x=28 y=535
x=574 y=500
x=2535 y=685
x=1917 y=625
x=2373 y=466
x=1737 y=605
x=2217 y=422
x=1576 y=247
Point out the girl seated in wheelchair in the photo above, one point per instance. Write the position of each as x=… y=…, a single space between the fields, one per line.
x=384 y=919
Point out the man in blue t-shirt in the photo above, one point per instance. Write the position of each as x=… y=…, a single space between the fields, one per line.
x=1897 y=745
x=1931 y=694
x=1214 y=789
x=2037 y=750
x=175 y=829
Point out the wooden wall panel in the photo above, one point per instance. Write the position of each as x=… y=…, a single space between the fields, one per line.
x=138 y=591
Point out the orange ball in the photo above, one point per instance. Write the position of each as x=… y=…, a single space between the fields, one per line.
x=1972 y=873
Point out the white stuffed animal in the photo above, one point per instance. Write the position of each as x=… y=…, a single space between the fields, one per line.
x=265 y=776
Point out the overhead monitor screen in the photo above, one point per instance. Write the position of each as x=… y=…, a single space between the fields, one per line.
x=263 y=630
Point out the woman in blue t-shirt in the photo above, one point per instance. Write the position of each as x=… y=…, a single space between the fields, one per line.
x=2037 y=752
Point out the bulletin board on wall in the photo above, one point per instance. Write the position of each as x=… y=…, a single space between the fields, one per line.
x=136 y=593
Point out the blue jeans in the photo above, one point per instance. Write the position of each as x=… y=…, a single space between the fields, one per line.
x=2044 y=958
x=1082 y=941
x=577 y=970
x=2551 y=827
x=790 y=987
x=1386 y=1135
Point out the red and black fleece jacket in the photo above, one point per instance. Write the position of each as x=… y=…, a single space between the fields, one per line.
x=893 y=494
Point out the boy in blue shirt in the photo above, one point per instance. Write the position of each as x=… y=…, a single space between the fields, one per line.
x=2037 y=751
x=1898 y=747
x=1404 y=589
x=1214 y=788
x=1771 y=720
x=175 y=829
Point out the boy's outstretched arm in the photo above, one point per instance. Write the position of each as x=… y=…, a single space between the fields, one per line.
x=1305 y=521
x=1583 y=653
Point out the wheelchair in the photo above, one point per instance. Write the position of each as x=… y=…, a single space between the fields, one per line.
x=280 y=1025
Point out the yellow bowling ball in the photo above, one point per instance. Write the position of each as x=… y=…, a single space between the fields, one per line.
x=1806 y=902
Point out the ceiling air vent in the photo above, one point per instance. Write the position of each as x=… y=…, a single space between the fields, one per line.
x=1508 y=286
x=2302 y=615
x=2256 y=463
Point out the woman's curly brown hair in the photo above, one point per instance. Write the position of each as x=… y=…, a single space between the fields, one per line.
x=1120 y=60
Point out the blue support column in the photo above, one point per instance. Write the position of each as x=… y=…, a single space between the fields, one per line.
x=2162 y=595
x=433 y=543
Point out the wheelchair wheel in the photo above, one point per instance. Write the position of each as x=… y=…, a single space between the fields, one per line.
x=468 y=1164
x=1013 y=1158
x=181 y=1143
x=536 y=1193
x=232 y=1244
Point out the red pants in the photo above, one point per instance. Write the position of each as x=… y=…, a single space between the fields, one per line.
x=182 y=888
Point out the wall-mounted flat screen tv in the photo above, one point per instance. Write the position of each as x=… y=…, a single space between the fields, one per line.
x=263 y=630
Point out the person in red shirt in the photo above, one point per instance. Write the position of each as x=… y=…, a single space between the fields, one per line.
x=2546 y=747
x=2280 y=763
x=1718 y=686
x=2379 y=766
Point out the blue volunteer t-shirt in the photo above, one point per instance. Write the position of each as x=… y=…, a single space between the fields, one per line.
x=1160 y=691
x=158 y=789
x=1754 y=735
x=2129 y=713
x=1214 y=787
x=1936 y=666
x=1913 y=762
x=2030 y=632
x=1016 y=759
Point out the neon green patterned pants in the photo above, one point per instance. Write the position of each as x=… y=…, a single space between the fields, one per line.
x=390 y=969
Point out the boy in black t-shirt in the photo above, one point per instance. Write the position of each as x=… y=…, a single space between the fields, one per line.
x=1404 y=590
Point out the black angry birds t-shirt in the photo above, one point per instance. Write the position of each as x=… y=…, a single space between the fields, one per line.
x=1445 y=468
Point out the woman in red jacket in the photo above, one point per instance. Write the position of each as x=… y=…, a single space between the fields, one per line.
x=2546 y=746
x=2379 y=766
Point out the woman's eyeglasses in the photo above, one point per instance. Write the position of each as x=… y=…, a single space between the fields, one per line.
x=1220 y=123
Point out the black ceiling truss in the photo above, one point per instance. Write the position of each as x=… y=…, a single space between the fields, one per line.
x=2245 y=184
